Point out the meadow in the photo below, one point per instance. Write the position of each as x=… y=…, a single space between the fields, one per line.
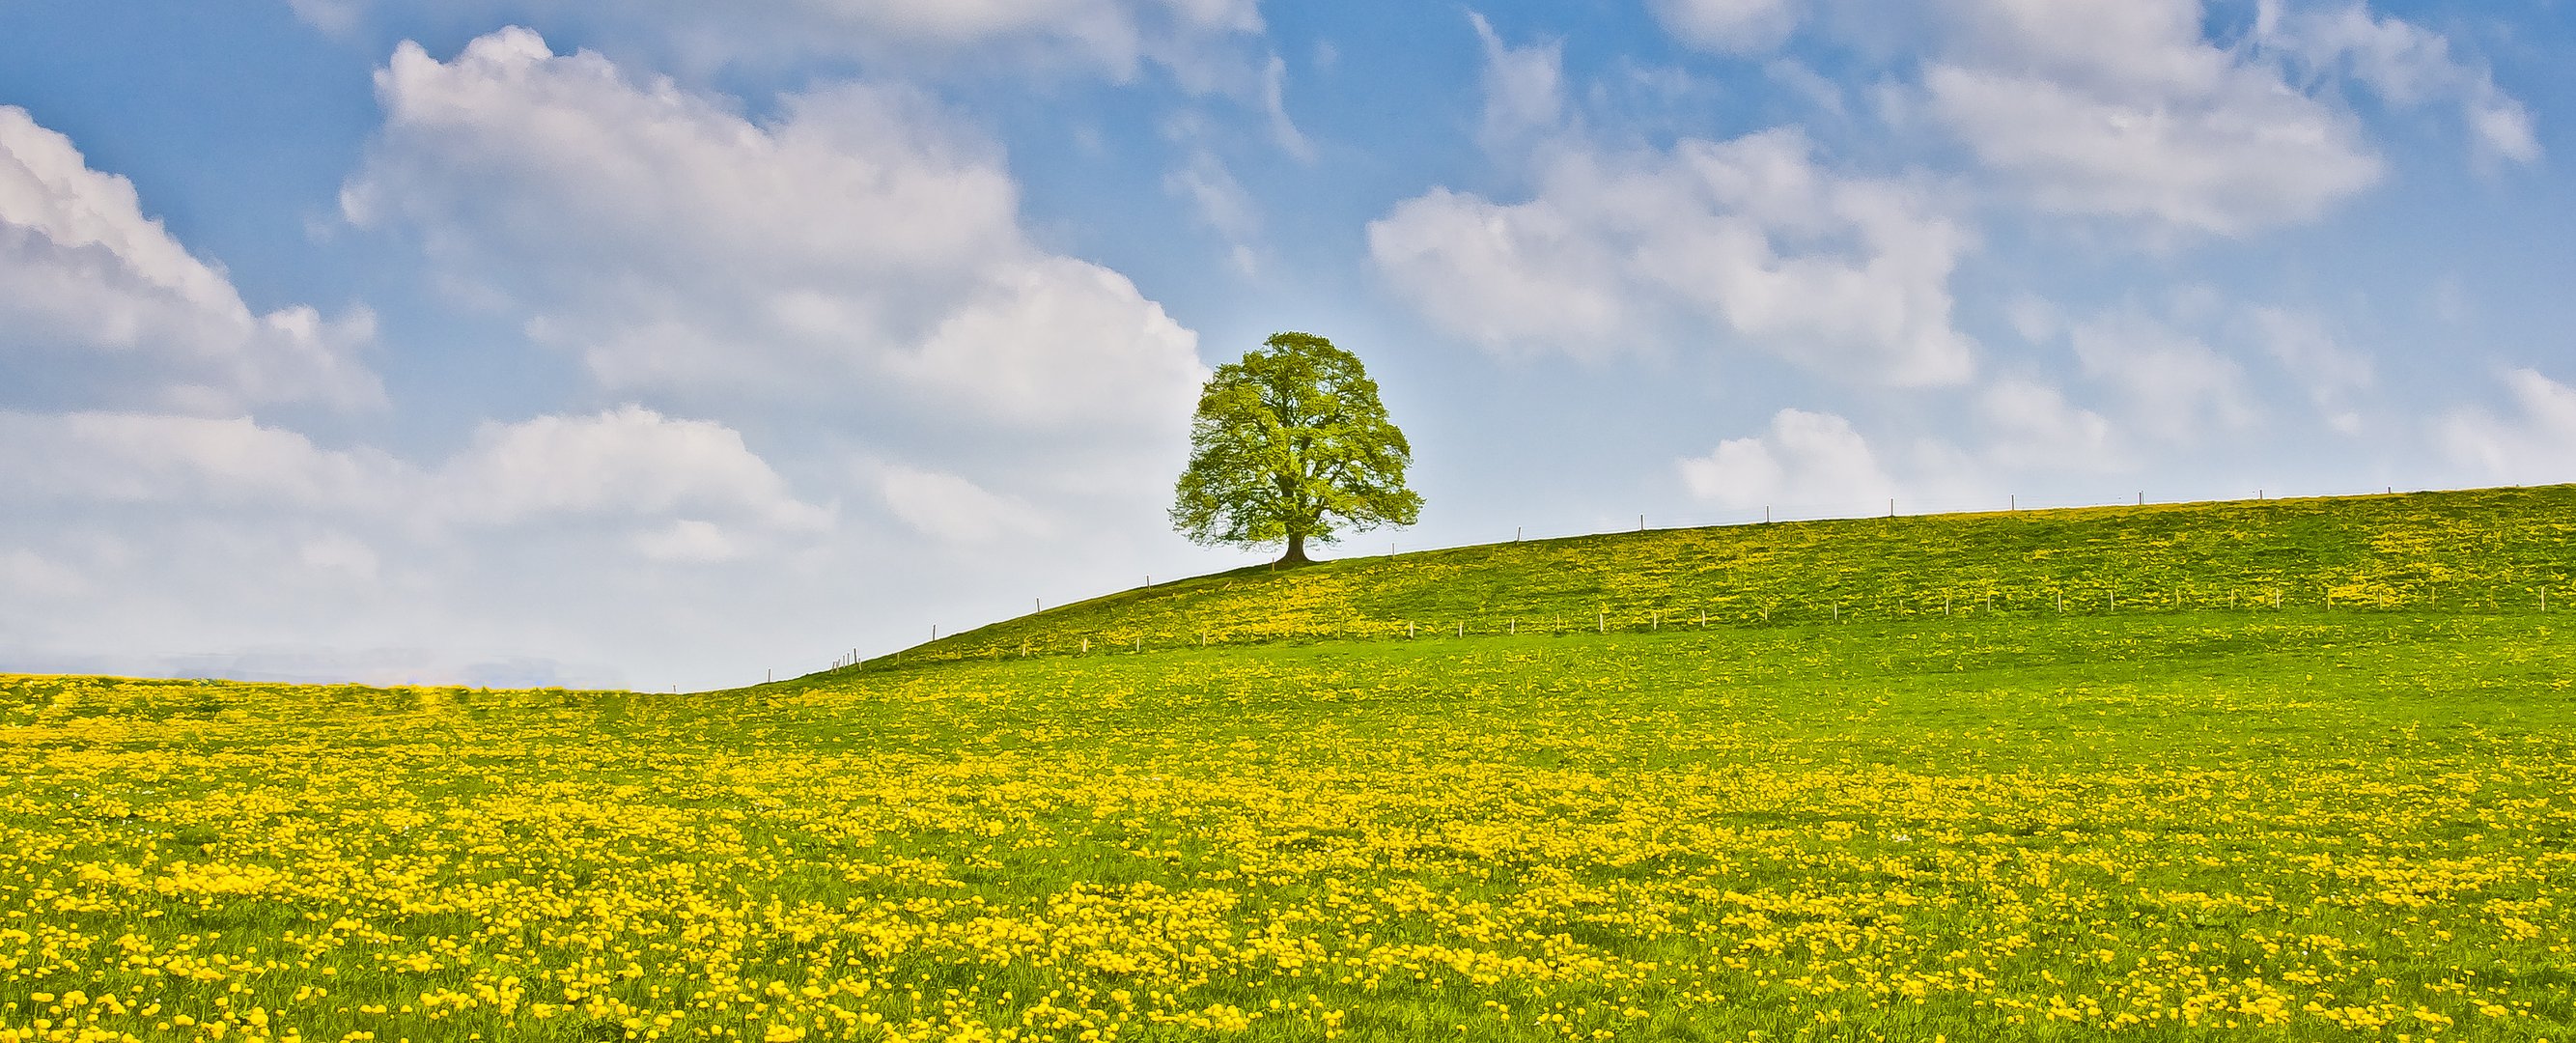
x=2190 y=823
x=2481 y=550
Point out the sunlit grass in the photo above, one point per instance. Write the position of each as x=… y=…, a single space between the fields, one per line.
x=2479 y=551
x=2169 y=826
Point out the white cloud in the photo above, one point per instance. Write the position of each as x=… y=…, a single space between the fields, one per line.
x=2123 y=109
x=629 y=461
x=26 y=573
x=623 y=463
x=691 y=541
x=2176 y=385
x=1848 y=276
x=342 y=553
x=1806 y=460
x=1114 y=38
x=160 y=459
x=1524 y=89
x=340 y=18
x=545 y=538
x=2404 y=63
x=859 y=250
x=2537 y=446
x=951 y=509
x=1216 y=196
x=1062 y=344
x=103 y=307
x=2034 y=427
x=2331 y=372
x=1274 y=102
x=1752 y=238
x=1727 y=26
x=1524 y=273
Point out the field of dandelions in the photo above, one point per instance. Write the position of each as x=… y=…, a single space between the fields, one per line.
x=2154 y=826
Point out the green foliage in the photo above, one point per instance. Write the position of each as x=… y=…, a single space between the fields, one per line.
x=1291 y=444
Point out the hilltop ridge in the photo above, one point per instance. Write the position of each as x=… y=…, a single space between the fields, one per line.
x=2484 y=550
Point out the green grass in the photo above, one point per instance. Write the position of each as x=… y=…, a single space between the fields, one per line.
x=2484 y=551
x=2184 y=822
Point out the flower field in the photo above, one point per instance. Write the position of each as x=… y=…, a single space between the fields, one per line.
x=2154 y=826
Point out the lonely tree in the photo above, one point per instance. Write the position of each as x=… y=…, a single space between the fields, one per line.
x=1290 y=445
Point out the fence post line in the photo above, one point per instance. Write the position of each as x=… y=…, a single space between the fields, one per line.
x=1462 y=628
x=1603 y=621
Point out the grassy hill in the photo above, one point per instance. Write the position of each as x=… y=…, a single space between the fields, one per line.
x=2488 y=550
x=2173 y=821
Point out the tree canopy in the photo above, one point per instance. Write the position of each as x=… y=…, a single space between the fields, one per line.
x=1291 y=444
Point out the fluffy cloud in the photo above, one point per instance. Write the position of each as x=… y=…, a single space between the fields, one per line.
x=1813 y=463
x=1220 y=202
x=1727 y=26
x=2034 y=428
x=102 y=307
x=854 y=252
x=2123 y=109
x=1751 y=237
x=2404 y=63
x=135 y=538
x=1112 y=37
x=136 y=458
x=2535 y=446
x=625 y=462
x=1806 y=461
x=951 y=509
x=2331 y=372
x=1524 y=89
x=2176 y=385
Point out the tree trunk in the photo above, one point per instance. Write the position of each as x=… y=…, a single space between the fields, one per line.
x=1296 y=551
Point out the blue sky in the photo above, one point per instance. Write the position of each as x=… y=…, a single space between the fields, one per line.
x=521 y=341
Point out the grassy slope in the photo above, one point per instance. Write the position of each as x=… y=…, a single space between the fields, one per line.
x=2480 y=550
x=1996 y=825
